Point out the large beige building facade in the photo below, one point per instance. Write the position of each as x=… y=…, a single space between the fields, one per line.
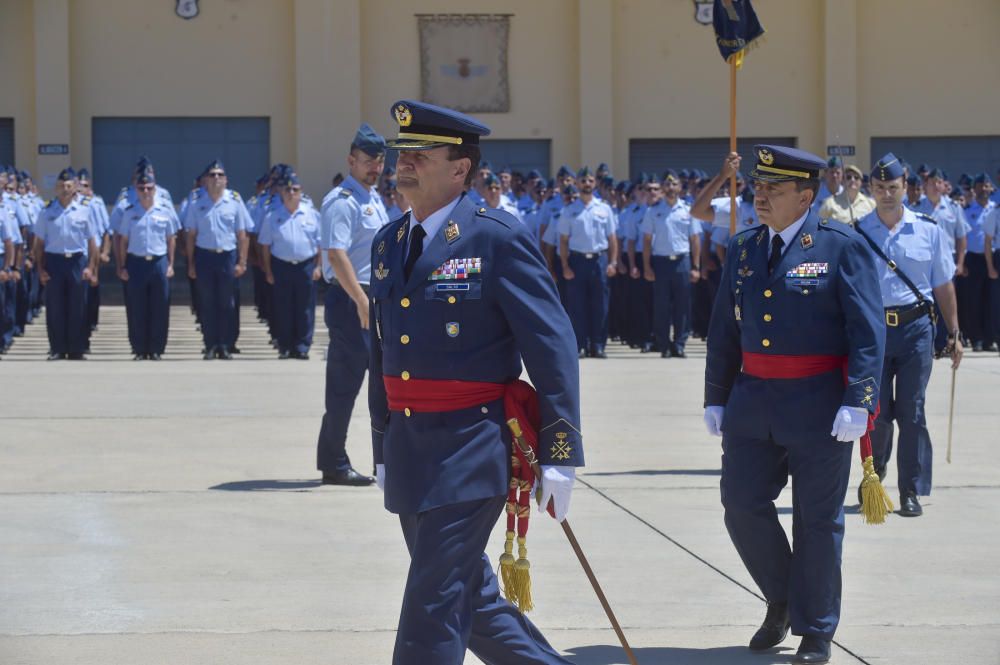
x=592 y=79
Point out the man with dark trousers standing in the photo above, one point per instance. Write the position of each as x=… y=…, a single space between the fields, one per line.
x=350 y=216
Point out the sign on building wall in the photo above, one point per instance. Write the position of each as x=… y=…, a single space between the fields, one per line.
x=463 y=61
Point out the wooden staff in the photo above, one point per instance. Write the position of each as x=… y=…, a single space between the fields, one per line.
x=529 y=455
x=951 y=412
x=732 y=143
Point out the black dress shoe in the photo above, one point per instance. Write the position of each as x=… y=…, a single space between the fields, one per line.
x=582 y=353
x=284 y=355
x=646 y=348
x=76 y=356
x=224 y=354
x=235 y=349
x=55 y=356
x=813 y=650
x=909 y=505
x=679 y=353
x=774 y=629
x=139 y=356
x=208 y=354
x=664 y=354
x=599 y=352
x=349 y=477
x=154 y=356
x=302 y=355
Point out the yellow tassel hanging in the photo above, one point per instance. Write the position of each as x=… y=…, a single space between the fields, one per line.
x=520 y=589
x=507 y=568
x=875 y=501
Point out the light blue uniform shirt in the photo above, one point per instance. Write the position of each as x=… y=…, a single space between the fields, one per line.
x=352 y=214
x=920 y=251
x=101 y=213
x=588 y=225
x=550 y=207
x=216 y=223
x=147 y=231
x=67 y=230
x=634 y=215
x=991 y=228
x=671 y=227
x=949 y=217
x=532 y=216
x=974 y=215
x=9 y=229
x=15 y=210
x=292 y=236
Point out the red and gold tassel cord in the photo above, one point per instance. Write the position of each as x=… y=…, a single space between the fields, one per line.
x=875 y=501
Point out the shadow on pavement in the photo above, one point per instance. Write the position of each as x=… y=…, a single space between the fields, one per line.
x=603 y=654
x=658 y=472
x=267 y=485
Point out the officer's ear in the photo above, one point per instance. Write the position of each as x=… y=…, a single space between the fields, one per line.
x=461 y=168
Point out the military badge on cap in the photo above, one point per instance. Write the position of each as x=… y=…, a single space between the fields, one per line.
x=452 y=328
x=403 y=115
x=765 y=156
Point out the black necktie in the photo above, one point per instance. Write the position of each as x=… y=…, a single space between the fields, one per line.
x=776 y=244
x=415 y=250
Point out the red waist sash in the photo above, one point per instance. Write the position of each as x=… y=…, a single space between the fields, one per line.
x=436 y=396
x=766 y=366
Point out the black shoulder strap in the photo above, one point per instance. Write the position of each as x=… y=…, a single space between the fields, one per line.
x=892 y=264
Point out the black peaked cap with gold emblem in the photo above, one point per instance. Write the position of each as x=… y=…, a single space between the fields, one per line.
x=423 y=126
x=778 y=163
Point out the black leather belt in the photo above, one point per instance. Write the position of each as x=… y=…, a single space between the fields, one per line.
x=587 y=255
x=900 y=316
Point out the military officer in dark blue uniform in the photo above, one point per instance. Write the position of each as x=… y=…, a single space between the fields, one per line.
x=351 y=215
x=588 y=249
x=66 y=254
x=216 y=223
x=148 y=242
x=795 y=346
x=289 y=241
x=460 y=297
x=921 y=255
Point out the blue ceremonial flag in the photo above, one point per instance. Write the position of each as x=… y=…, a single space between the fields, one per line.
x=736 y=28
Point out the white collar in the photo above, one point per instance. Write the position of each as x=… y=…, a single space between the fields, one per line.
x=789 y=233
x=434 y=221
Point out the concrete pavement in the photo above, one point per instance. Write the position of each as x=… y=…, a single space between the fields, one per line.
x=167 y=513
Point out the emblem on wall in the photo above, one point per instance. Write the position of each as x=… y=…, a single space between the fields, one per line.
x=703 y=11
x=187 y=9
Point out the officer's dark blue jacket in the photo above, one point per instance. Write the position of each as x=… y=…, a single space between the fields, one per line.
x=476 y=329
x=822 y=299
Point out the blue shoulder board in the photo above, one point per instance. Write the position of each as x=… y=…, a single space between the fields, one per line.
x=345 y=193
x=926 y=218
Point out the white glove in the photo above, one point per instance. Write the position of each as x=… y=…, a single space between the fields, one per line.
x=713 y=419
x=380 y=476
x=850 y=424
x=557 y=484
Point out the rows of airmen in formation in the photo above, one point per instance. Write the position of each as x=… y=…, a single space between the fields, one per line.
x=635 y=261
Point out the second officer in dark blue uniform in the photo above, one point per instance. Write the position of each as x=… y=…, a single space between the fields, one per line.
x=460 y=298
x=798 y=317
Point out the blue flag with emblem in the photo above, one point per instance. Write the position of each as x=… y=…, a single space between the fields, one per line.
x=736 y=28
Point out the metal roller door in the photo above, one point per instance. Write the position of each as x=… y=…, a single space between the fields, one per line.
x=954 y=154
x=657 y=155
x=179 y=148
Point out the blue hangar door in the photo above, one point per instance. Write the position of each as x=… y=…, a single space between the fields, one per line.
x=179 y=149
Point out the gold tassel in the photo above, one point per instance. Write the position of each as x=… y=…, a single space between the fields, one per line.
x=507 y=568
x=875 y=501
x=520 y=588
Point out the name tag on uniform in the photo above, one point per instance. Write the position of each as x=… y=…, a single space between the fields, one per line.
x=458 y=269
x=464 y=286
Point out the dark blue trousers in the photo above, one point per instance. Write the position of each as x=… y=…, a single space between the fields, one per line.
x=216 y=286
x=346 y=363
x=3 y=309
x=994 y=300
x=672 y=301
x=22 y=309
x=640 y=310
x=93 y=306
x=293 y=304
x=65 y=302
x=148 y=295
x=807 y=577
x=588 y=299
x=9 y=313
x=905 y=373
x=452 y=598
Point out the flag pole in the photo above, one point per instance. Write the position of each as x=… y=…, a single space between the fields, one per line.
x=732 y=142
